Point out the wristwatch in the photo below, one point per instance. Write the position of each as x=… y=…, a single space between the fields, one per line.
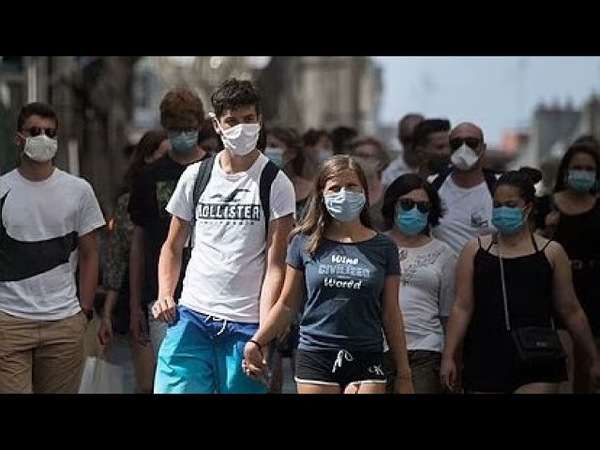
x=89 y=313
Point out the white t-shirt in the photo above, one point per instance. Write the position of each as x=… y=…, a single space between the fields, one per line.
x=468 y=214
x=225 y=273
x=41 y=221
x=426 y=293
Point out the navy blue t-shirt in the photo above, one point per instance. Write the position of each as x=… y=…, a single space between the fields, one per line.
x=344 y=291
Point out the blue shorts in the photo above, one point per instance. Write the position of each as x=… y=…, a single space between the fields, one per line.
x=203 y=354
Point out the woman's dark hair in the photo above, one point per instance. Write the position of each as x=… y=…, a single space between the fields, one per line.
x=403 y=185
x=563 y=167
x=146 y=146
x=524 y=180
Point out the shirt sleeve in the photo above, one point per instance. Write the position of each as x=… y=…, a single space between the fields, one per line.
x=392 y=260
x=283 y=197
x=90 y=214
x=295 y=251
x=180 y=203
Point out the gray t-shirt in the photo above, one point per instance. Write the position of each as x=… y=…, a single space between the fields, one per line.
x=344 y=291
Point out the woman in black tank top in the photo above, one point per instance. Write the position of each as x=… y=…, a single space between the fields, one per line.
x=575 y=224
x=537 y=281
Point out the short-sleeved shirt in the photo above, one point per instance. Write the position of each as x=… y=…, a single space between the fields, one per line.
x=149 y=196
x=226 y=269
x=344 y=292
x=40 y=226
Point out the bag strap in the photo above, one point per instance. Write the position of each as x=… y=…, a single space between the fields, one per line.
x=503 y=281
x=202 y=179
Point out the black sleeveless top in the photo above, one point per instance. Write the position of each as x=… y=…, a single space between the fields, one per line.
x=529 y=299
x=579 y=234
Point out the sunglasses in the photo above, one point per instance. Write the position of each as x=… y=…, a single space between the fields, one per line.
x=36 y=131
x=407 y=204
x=471 y=142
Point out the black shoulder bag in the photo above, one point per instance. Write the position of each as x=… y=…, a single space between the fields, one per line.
x=534 y=344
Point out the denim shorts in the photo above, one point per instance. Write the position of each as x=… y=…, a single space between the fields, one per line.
x=203 y=354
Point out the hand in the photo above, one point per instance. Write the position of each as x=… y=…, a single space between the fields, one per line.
x=165 y=310
x=403 y=385
x=254 y=363
x=105 y=331
x=449 y=374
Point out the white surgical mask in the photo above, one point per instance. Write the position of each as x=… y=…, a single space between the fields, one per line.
x=40 y=148
x=240 y=139
x=464 y=158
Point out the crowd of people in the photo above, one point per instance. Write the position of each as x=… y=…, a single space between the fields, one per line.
x=236 y=244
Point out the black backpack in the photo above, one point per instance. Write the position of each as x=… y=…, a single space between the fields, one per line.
x=490 y=176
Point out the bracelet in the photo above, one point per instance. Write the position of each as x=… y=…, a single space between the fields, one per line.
x=260 y=347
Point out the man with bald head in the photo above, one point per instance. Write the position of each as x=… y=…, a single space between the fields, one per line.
x=465 y=189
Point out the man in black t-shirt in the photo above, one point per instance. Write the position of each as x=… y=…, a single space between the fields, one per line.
x=181 y=114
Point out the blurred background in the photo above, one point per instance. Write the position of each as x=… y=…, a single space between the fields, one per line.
x=105 y=103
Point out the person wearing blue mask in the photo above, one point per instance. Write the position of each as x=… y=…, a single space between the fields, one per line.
x=511 y=279
x=411 y=207
x=346 y=276
x=574 y=223
x=181 y=116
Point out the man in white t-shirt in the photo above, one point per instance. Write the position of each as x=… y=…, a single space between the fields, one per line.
x=465 y=189
x=48 y=225
x=237 y=264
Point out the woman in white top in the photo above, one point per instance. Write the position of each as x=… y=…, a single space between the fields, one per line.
x=411 y=206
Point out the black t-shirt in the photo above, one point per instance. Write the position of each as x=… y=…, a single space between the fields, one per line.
x=150 y=194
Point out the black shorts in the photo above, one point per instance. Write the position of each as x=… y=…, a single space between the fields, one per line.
x=339 y=368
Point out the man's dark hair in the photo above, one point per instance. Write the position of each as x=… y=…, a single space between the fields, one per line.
x=425 y=128
x=233 y=94
x=36 y=109
x=341 y=137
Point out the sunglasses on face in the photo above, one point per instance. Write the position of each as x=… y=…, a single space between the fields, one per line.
x=406 y=204
x=36 y=131
x=471 y=142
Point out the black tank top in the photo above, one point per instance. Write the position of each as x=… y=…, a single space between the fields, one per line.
x=528 y=291
x=579 y=234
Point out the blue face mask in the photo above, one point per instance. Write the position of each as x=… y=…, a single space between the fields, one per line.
x=344 y=205
x=275 y=154
x=411 y=222
x=507 y=219
x=581 y=180
x=183 y=141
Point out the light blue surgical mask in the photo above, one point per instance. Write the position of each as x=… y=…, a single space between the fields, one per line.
x=344 y=205
x=183 y=141
x=581 y=180
x=508 y=219
x=275 y=154
x=411 y=222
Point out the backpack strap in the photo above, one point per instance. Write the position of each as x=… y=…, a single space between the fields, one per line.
x=204 y=172
x=267 y=177
x=440 y=178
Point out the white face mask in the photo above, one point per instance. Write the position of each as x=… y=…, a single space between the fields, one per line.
x=464 y=158
x=40 y=148
x=240 y=139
